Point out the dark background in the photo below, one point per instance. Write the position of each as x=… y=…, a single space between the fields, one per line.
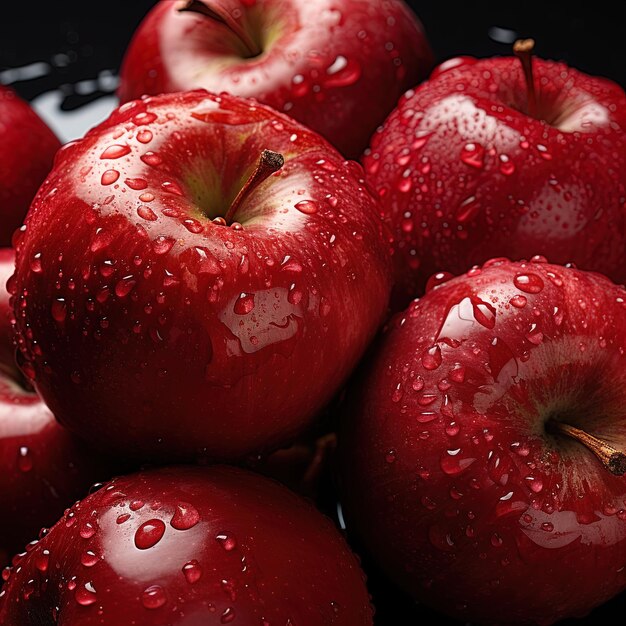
x=80 y=40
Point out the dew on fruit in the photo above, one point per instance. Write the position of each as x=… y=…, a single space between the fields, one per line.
x=228 y=616
x=42 y=562
x=484 y=313
x=342 y=72
x=87 y=530
x=59 y=310
x=519 y=302
x=192 y=571
x=153 y=597
x=453 y=463
x=149 y=534
x=137 y=184
x=24 y=459
x=244 y=304
x=227 y=541
x=151 y=158
x=146 y=213
x=185 y=517
x=308 y=207
x=473 y=154
x=163 y=244
x=144 y=136
x=432 y=358
x=89 y=558
x=467 y=210
x=529 y=283
x=115 y=151
x=35 y=263
x=86 y=595
x=124 y=286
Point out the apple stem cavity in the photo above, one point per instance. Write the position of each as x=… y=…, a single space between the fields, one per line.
x=612 y=459
x=523 y=49
x=214 y=10
x=269 y=163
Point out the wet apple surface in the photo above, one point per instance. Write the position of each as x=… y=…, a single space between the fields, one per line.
x=27 y=148
x=316 y=61
x=43 y=468
x=188 y=547
x=462 y=471
x=232 y=334
x=472 y=166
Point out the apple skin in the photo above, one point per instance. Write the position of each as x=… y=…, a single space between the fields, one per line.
x=448 y=475
x=465 y=174
x=225 y=546
x=338 y=66
x=43 y=469
x=27 y=149
x=157 y=333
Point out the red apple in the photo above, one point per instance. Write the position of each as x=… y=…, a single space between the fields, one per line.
x=483 y=460
x=27 y=149
x=473 y=165
x=43 y=469
x=338 y=66
x=192 y=547
x=172 y=303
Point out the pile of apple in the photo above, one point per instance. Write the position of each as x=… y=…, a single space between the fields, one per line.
x=198 y=278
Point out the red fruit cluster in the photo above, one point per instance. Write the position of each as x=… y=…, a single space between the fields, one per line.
x=199 y=277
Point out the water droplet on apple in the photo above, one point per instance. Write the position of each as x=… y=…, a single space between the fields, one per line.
x=431 y=360
x=115 y=151
x=146 y=213
x=59 y=310
x=42 y=562
x=149 y=534
x=163 y=244
x=529 y=283
x=86 y=595
x=144 y=136
x=185 y=517
x=89 y=558
x=153 y=597
x=244 y=304
x=192 y=571
x=228 y=542
x=473 y=154
x=308 y=207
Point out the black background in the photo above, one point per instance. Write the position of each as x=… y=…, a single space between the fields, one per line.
x=80 y=39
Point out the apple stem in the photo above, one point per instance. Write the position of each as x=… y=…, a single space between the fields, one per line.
x=269 y=162
x=523 y=49
x=612 y=459
x=214 y=10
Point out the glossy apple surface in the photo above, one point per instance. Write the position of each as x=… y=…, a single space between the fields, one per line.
x=156 y=332
x=189 y=547
x=455 y=474
x=27 y=149
x=43 y=469
x=338 y=66
x=466 y=174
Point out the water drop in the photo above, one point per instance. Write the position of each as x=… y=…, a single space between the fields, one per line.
x=473 y=154
x=244 y=304
x=185 y=517
x=308 y=207
x=192 y=571
x=153 y=597
x=115 y=151
x=228 y=542
x=24 y=459
x=149 y=534
x=529 y=283
x=86 y=595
